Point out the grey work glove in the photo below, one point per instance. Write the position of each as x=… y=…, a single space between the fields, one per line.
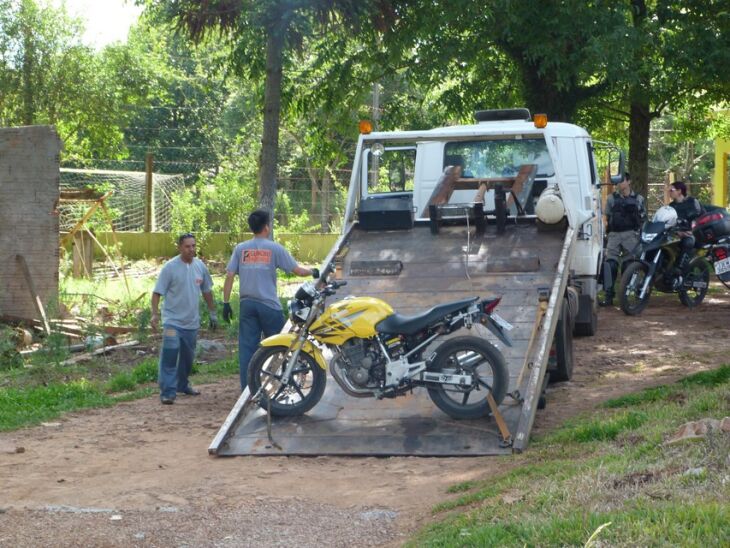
x=213 y=322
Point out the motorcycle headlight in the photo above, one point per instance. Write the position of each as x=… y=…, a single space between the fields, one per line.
x=298 y=312
x=647 y=237
x=306 y=293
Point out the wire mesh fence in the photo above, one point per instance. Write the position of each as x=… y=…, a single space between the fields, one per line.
x=127 y=201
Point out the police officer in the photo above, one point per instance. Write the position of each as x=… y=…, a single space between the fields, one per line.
x=625 y=211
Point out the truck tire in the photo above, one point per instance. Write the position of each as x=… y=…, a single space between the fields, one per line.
x=563 y=347
x=589 y=314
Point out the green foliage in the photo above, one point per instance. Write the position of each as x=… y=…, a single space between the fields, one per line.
x=48 y=77
x=229 y=199
x=121 y=382
x=9 y=356
x=602 y=428
x=189 y=215
x=708 y=379
x=54 y=349
x=20 y=407
x=146 y=371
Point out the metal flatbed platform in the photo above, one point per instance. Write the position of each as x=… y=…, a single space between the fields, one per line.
x=414 y=270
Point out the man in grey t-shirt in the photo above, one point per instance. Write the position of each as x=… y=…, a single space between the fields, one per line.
x=181 y=282
x=255 y=262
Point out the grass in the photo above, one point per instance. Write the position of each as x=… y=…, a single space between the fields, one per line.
x=38 y=394
x=606 y=479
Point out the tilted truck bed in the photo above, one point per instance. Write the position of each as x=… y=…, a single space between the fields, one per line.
x=414 y=270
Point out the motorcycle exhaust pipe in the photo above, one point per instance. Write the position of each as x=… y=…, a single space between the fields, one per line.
x=346 y=385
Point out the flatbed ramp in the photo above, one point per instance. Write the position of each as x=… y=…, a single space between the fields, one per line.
x=414 y=270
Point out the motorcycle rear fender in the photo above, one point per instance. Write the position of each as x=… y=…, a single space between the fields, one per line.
x=287 y=339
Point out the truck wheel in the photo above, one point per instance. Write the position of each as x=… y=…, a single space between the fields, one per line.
x=563 y=347
x=589 y=328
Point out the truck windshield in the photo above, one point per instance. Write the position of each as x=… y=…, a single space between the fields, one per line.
x=498 y=158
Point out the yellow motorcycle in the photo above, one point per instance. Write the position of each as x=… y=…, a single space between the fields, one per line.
x=377 y=353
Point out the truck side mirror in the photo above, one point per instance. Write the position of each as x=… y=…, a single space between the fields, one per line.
x=618 y=177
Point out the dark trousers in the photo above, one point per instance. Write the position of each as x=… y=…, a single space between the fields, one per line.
x=254 y=320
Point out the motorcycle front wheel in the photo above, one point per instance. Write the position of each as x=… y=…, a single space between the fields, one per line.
x=469 y=356
x=302 y=392
x=696 y=283
x=632 y=282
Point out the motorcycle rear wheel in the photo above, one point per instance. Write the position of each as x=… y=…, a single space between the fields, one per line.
x=632 y=281
x=464 y=355
x=698 y=272
x=304 y=389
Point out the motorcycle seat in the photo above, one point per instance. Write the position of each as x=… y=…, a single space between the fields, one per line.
x=410 y=325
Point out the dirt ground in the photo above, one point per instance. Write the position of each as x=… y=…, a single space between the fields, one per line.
x=139 y=474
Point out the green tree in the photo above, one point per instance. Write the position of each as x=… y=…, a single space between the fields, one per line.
x=681 y=51
x=266 y=37
x=47 y=76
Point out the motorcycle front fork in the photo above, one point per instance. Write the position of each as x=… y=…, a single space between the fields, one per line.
x=653 y=266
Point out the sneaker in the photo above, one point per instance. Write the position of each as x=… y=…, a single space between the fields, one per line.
x=606 y=301
x=167 y=401
x=190 y=391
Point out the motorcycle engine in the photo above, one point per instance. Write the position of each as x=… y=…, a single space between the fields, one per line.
x=365 y=366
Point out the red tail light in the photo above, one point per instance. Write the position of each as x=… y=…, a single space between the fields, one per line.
x=720 y=253
x=490 y=305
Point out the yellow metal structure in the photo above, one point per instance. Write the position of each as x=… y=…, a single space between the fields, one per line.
x=287 y=339
x=720 y=180
x=350 y=318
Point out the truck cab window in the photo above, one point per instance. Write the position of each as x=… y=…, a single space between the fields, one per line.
x=498 y=157
x=392 y=170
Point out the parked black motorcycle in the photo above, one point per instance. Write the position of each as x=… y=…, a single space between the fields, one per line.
x=656 y=268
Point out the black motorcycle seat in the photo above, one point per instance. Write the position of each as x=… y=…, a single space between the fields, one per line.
x=410 y=325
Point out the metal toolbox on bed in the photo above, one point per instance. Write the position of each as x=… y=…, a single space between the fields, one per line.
x=386 y=212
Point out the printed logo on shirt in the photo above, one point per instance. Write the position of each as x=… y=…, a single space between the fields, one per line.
x=251 y=257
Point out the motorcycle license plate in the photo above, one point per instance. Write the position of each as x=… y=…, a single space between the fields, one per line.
x=501 y=322
x=722 y=266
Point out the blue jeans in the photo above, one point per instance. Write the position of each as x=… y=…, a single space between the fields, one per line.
x=176 y=360
x=254 y=319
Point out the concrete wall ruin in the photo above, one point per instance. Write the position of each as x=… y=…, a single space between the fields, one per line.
x=29 y=192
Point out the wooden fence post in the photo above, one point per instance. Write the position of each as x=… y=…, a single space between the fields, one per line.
x=149 y=198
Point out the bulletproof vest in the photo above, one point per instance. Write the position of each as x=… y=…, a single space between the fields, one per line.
x=687 y=209
x=625 y=213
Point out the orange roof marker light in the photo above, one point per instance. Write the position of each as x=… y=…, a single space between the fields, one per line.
x=540 y=120
x=366 y=126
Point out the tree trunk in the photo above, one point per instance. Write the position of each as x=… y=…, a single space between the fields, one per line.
x=272 y=108
x=639 y=125
x=640 y=109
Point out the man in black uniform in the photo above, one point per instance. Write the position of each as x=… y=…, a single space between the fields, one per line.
x=625 y=211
